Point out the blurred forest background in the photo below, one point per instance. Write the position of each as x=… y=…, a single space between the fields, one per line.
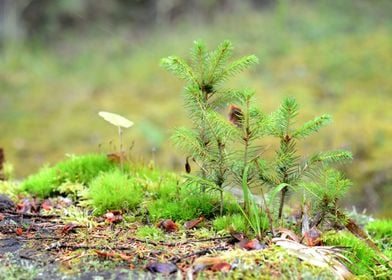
x=62 y=61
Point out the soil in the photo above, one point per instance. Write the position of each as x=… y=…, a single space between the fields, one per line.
x=39 y=248
x=52 y=249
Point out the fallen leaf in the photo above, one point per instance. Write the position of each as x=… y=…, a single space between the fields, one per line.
x=1 y=217
x=68 y=228
x=313 y=237
x=329 y=257
x=253 y=244
x=164 y=268
x=284 y=233
x=24 y=207
x=63 y=202
x=204 y=262
x=223 y=267
x=168 y=225
x=193 y=223
x=125 y=257
x=47 y=205
x=237 y=236
x=105 y=254
x=113 y=217
x=19 y=231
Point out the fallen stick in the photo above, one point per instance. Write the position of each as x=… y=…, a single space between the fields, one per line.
x=198 y=253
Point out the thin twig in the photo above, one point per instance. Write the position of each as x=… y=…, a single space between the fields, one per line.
x=198 y=253
x=29 y=215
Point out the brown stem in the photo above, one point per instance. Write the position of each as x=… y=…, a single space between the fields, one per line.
x=282 y=196
x=221 y=202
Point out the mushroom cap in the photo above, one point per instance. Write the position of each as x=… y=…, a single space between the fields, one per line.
x=116 y=119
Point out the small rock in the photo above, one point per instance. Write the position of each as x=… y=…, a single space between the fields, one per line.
x=164 y=268
x=6 y=203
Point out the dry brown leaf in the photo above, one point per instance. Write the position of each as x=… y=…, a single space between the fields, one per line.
x=193 y=223
x=107 y=255
x=19 y=231
x=313 y=237
x=253 y=244
x=113 y=217
x=328 y=257
x=47 y=205
x=168 y=226
x=222 y=267
x=68 y=228
x=286 y=233
x=204 y=262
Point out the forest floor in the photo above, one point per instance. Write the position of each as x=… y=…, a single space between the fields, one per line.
x=44 y=247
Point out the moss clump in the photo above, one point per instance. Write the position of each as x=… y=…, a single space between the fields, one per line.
x=183 y=202
x=83 y=169
x=77 y=169
x=381 y=232
x=114 y=190
x=235 y=222
x=380 y=229
x=270 y=263
x=149 y=232
x=364 y=260
x=41 y=184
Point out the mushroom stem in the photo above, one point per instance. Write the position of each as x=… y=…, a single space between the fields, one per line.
x=121 y=147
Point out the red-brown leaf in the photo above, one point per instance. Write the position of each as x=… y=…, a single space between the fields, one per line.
x=113 y=217
x=19 y=231
x=68 y=228
x=223 y=267
x=47 y=205
x=24 y=207
x=168 y=225
x=253 y=244
x=106 y=255
x=193 y=223
x=313 y=237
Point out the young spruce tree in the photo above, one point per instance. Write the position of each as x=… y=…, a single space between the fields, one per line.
x=228 y=152
x=205 y=94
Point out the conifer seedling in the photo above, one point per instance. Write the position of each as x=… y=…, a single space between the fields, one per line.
x=121 y=123
x=228 y=150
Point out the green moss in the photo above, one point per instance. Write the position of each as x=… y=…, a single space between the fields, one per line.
x=185 y=203
x=83 y=169
x=77 y=169
x=42 y=184
x=9 y=188
x=364 y=260
x=380 y=229
x=381 y=233
x=271 y=263
x=114 y=190
x=149 y=232
x=235 y=222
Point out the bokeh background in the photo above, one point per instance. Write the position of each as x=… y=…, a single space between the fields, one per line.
x=63 y=61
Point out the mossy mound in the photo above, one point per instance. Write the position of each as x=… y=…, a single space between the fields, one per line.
x=76 y=169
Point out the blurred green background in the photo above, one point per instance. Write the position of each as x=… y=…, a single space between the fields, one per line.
x=63 y=61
